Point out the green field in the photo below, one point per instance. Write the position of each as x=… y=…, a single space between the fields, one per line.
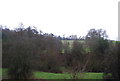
x=46 y=75
x=71 y=43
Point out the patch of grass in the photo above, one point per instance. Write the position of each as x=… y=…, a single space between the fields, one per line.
x=90 y=75
x=71 y=41
x=3 y=73
x=45 y=75
x=87 y=49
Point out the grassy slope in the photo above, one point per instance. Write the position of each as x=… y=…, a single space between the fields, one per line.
x=71 y=42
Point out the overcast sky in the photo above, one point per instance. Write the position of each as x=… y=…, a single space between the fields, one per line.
x=62 y=16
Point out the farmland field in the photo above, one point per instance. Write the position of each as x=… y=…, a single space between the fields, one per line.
x=70 y=42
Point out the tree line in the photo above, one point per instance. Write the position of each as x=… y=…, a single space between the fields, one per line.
x=25 y=50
